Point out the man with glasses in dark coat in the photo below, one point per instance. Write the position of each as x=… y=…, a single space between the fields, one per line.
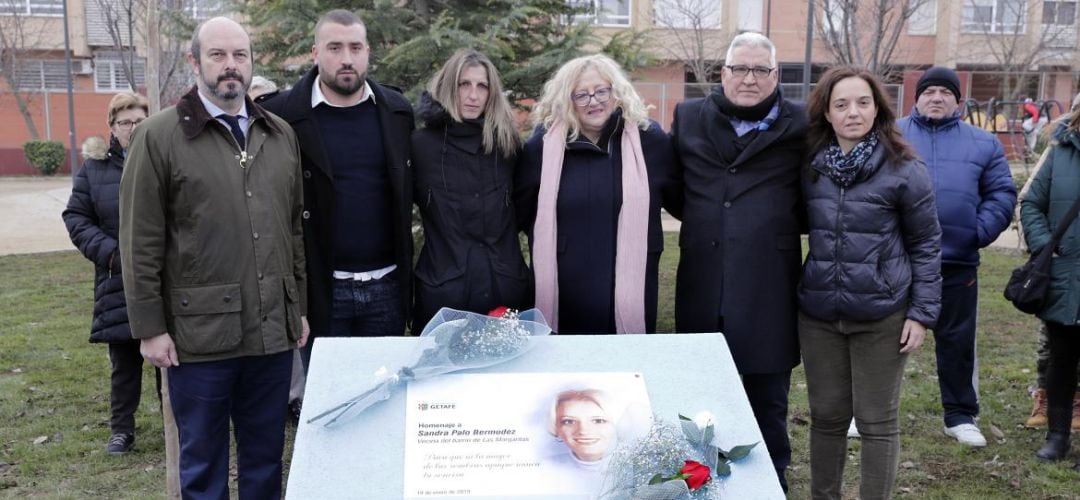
x=741 y=150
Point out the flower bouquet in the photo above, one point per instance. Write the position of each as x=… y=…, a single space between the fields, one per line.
x=671 y=465
x=453 y=340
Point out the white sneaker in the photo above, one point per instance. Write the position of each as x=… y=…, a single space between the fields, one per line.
x=966 y=434
x=852 y=430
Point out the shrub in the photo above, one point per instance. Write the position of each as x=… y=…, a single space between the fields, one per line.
x=46 y=156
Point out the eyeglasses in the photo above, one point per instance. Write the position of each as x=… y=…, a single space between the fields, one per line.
x=128 y=123
x=582 y=99
x=741 y=71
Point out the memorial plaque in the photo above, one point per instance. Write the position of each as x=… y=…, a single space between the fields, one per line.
x=365 y=456
x=497 y=435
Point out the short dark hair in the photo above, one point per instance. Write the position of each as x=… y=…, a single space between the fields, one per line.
x=817 y=107
x=339 y=16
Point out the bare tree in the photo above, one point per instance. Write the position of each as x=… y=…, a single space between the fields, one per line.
x=17 y=37
x=864 y=32
x=130 y=20
x=120 y=18
x=690 y=32
x=1010 y=37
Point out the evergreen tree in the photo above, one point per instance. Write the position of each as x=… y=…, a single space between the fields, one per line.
x=526 y=39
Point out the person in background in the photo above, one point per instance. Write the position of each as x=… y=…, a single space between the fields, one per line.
x=871 y=284
x=741 y=149
x=1052 y=191
x=593 y=178
x=1037 y=418
x=92 y=218
x=975 y=198
x=464 y=160
x=262 y=89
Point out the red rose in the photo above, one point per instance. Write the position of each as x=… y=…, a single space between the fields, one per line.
x=695 y=474
x=499 y=312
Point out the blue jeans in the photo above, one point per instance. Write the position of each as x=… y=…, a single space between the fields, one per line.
x=366 y=309
x=253 y=392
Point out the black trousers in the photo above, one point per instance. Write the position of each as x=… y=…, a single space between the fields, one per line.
x=954 y=341
x=1064 y=343
x=126 y=385
x=768 y=395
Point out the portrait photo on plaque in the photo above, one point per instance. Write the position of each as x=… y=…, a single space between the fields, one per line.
x=519 y=435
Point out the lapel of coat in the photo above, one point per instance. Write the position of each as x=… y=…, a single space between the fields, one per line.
x=394 y=122
x=298 y=109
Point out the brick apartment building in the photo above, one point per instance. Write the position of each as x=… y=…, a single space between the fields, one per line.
x=961 y=34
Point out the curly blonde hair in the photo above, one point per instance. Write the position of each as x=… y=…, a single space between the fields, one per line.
x=555 y=103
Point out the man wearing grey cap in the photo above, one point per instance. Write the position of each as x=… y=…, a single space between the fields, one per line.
x=975 y=201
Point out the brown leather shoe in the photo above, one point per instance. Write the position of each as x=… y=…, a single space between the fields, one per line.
x=1037 y=420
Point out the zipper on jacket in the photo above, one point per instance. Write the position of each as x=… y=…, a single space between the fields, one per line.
x=836 y=249
x=506 y=196
x=428 y=202
x=243 y=158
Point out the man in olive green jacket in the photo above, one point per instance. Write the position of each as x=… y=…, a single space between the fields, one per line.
x=213 y=265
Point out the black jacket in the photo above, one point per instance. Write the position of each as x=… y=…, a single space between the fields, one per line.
x=875 y=246
x=586 y=245
x=396 y=119
x=471 y=258
x=92 y=218
x=739 y=243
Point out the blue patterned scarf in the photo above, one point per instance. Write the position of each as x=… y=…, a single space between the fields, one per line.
x=844 y=168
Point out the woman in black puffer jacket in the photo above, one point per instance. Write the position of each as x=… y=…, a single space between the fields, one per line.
x=871 y=284
x=93 y=219
x=464 y=161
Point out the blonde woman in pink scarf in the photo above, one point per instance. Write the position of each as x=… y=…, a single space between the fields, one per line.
x=589 y=190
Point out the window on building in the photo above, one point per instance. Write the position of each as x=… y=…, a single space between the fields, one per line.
x=751 y=15
x=42 y=75
x=1059 y=24
x=32 y=7
x=923 y=20
x=687 y=14
x=994 y=16
x=1059 y=13
x=109 y=74
x=602 y=12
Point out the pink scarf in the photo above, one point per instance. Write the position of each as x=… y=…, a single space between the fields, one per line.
x=631 y=247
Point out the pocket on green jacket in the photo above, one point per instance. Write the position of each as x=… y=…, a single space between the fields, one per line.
x=207 y=319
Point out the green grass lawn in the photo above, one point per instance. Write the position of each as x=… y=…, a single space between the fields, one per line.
x=54 y=400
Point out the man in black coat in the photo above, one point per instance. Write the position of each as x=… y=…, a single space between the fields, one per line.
x=354 y=139
x=741 y=149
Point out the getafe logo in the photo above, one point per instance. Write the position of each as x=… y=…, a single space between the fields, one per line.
x=435 y=406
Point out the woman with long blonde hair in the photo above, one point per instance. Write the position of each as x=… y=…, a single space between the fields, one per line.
x=594 y=176
x=464 y=160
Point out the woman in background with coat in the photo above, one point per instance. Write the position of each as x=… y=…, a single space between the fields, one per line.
x=593 y=179
x=464 y=161
x=92 y=218
x=1053 y=190
x=871 y=283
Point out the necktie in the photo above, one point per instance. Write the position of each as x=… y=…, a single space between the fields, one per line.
x=234 y=125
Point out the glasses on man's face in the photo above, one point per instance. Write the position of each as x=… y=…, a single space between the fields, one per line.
x=741 y=71
x=128 y=123
x=582 y=99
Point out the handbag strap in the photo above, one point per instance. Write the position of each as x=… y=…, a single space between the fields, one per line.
x=1063 y=225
